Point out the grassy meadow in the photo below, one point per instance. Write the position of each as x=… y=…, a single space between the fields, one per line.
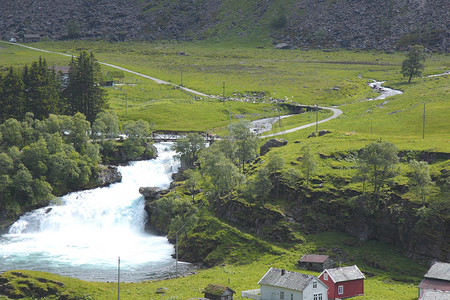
x=337 y=78
x=398 y=280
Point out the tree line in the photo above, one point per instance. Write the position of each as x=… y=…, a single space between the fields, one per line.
x=38 y=89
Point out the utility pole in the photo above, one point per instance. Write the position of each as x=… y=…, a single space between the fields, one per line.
x=279 y=113
x=317 y=117
x=176 y=249
x=371 y=114
x=118 y=279
x=223 y=93
x=181 y=76
x=423 y=129
x=229 y=113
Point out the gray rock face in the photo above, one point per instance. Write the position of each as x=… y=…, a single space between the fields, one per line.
x=150 y=193
x=108 y=175
x=272 y=143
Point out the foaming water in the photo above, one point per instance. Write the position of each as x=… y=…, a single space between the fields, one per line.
x=84 y=236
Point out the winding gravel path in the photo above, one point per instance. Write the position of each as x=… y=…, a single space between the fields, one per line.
x=336 y=113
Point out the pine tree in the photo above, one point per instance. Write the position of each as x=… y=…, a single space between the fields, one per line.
x=42 y=90
x=11 y=98
x=83 y=92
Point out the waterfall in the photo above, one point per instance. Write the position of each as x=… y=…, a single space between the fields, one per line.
x=84 y=236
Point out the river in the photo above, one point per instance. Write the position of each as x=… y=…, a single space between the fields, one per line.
x=84 y=236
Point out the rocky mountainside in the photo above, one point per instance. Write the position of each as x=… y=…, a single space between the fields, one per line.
x=364 y=24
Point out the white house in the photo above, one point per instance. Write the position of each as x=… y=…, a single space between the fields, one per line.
x=279 y=284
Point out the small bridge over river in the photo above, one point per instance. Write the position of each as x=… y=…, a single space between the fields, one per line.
x=173 y=136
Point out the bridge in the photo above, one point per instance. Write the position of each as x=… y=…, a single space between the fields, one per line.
x=173 y=136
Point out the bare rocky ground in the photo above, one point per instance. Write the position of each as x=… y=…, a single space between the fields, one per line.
x=364 y=24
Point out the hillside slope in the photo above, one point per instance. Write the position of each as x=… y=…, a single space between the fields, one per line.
x=362 y=24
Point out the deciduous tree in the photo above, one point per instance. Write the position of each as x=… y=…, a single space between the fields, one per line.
x=414 y=65
x=379 y=160
x=106 y=125
x=420 y=179
x=309 y=163
x=188 y=149
x=137 y=132
x=193 y=179
x=246 y=141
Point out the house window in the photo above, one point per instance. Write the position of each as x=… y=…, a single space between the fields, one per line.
x=281 y=295
x=317 y=296
x=314 y=284
x=340 y=289
x=325 y=276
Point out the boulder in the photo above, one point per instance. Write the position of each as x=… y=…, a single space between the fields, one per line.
x=272 y=143
x=108 y=175
x=283 y=46
x=320 y=133
x=150 y=192
x=161 y=290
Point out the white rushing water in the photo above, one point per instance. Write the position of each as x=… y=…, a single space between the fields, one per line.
x=85 y=235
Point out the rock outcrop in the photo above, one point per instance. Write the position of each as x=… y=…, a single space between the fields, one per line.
x=151 y=193
x=108 y=175
x=272 y=143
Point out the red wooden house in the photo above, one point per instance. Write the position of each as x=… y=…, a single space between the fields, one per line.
x=343 y=282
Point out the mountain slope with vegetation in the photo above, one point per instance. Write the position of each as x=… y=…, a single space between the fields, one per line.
x=327 y=23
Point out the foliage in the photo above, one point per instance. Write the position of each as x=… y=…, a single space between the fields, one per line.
x=171 y=212
x=188 y=149
x=246 y=141
x=105 y=126
x=83 y=91
x=420 y=179
x=42 y=89
x=33 y=89
x=379 y=162
x=259 y=186
x=11 y=96
x=39 y=158
x=193 y=180
x=413 y=64
x=138 y=133
x=309 y=163
x=221 y=174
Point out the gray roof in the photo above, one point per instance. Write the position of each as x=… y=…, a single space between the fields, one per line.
x=439 y=270
x=434 y=295
x=287 y=279
x=344 y=274
x=314 y=258
x=32 y=35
